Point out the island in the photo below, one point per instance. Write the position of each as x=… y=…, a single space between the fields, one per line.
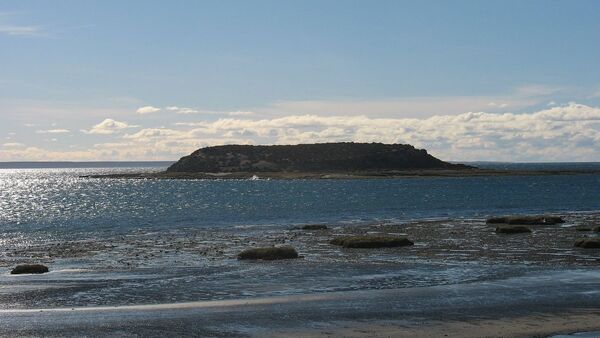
x=318 y=157
x=341 y=160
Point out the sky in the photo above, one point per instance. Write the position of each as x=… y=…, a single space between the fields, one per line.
x=155 y=80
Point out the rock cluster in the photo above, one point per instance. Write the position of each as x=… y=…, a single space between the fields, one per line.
x=269 y=254
x=526 y=220
x=313 y=227
x=371 y=241
x=512 y=229
x=588 y=243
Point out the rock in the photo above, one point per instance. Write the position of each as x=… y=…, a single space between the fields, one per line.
x=588 y=243
x=596 y=229
x=29 y=268
x=512 y=229
x=526 y=220
x=583 y=228
x=371 y=241
x=269 y=254
x=313 y=227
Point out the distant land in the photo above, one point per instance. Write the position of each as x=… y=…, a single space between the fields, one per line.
x=318 y=157
x=312 y=161
x=91 y=164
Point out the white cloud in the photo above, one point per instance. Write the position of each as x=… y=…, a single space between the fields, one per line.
x=108 y=126
x=53 y=131
x=14 y=30
x=190 y=111
x=184 y=110
x=147 y=110
x=152 y=133
x=13 y=145
x=240 y=113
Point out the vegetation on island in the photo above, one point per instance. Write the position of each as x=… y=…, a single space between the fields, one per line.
x=319 y=157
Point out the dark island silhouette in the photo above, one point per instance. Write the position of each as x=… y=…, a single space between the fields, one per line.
x=319 y=157
x=342 y=160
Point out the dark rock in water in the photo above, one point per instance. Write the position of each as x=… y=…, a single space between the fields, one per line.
x=269 y=254
x=583 y=228
x=321 y=157
x=596 y=229
x=588 y=243
x=29 y=268
x=526 y=220
x=371 y=241
x=512 y=229
x=313 y=227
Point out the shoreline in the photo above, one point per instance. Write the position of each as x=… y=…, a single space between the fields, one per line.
x=341 y=175
x=499 y=309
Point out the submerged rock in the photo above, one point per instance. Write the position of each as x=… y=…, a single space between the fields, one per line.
x=313 y=227
x=29 y=268
x=371 y=241
x=588 y=227
x=526 y=220
x=588 y=243
x=269 y=254
x=512 y=229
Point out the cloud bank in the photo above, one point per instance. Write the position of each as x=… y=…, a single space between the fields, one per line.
x=107 y=127
x=559 y=133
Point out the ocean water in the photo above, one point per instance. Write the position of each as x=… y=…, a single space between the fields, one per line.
x=114 y=242
x=59 y=200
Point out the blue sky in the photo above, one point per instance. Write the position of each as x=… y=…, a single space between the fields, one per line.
x=74 y=75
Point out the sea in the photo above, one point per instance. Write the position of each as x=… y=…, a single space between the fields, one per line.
x=114 y=242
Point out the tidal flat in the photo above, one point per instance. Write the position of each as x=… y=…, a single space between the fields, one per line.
x=458 y=271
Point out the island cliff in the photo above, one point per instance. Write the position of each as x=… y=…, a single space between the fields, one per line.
x=320 y=157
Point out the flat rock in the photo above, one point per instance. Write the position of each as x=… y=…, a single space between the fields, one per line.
x=588 y=243
x=29 y=268
x=512 y=229
x=526 y=220
x=312 y=227
x=371 y=241
x=269 y=254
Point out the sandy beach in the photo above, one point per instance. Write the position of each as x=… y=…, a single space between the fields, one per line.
x=540 y=305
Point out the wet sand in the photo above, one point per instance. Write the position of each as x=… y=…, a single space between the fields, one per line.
x=533 y=306
x=540 y=325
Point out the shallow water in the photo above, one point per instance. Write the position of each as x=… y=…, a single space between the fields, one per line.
x=116 y=242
